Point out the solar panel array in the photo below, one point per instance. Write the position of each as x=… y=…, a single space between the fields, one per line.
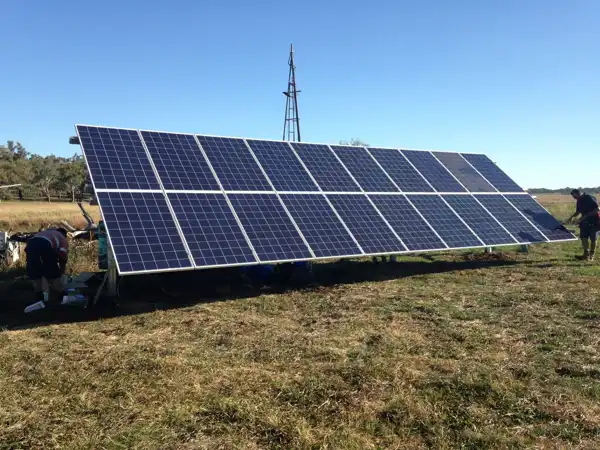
x=181 y=201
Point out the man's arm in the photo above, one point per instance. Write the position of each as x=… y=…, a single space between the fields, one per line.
x=62 y=259
x=575 y=214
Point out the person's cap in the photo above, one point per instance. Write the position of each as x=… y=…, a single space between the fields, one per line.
x=575 y=192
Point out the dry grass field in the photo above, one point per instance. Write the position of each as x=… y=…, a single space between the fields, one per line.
x=30 y=216
x=456 y=350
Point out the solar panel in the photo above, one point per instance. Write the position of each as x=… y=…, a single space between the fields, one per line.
x=547 y=224
x=364 y=169
x=162 y=201
x=367 y=226
x=179 y=161
x=269 y=228
x=320 y=226
x=464 y=172
x=444 y=221
x=512 y=220
x=480 y=221
x=116 y=158
x=492 y=173
x=400 y=170
x=433 y=171
x=233 y=163
x=211 y=230
x=416 y=234
x=325 y=168
x=142 y=232
x=282 y=166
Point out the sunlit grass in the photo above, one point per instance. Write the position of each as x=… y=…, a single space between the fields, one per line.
x=31 y=216
x=442 y=352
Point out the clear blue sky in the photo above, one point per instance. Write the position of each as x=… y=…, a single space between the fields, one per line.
x=516 y=79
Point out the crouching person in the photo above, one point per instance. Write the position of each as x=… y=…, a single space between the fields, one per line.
x=47 y=254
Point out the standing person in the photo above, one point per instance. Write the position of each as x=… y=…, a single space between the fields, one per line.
x=47 y=255
x=589 y=224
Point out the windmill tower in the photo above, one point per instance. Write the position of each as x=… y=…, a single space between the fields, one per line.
x=291 y=126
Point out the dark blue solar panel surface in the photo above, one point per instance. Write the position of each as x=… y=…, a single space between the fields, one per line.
x=364 y=169
x=540 y=217
x=444 y=221
x=464 y=172
x=400 y=170
x=492 y=173
x=412 y=229
x=269 y=228
x=146 y=237
x=179 y=161
x=512 y=220
x=236 y=168
x=325 y=168
x=117 y=158
x=367 y=226
x=283 y=168
x=320 y=226
x=435 y=173
x=480 y=221
x=142 y=232
x=211 y=230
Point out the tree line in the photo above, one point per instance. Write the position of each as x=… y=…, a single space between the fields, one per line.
x=45 y=175
x=566 y=190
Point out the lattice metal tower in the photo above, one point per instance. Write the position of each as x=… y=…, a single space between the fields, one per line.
x=291 y=126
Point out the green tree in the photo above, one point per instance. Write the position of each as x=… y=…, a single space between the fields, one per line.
x=45 y=173
x=71 y=175
x=13 y=151
x=355 y=141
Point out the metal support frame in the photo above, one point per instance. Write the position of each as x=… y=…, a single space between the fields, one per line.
x=111 y=274
x=110 y=279
x=291 y=125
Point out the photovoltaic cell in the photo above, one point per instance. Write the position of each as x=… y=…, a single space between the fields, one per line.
x=547 y=224
x=400 y=170
x=283 y=168
x=464 y=172
x=233 y=163
x=480 y=221
x=444 y=221
x=512 y=220
x=210 y=229
x=269 y=228
x=367 y=226
x=116 y=158
x=492 y=173
x=142 y=232
x=406 y=222
x=320 y=226
x=179 y=161
x=431 y=169
x=325 y=168
x=364 y=169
